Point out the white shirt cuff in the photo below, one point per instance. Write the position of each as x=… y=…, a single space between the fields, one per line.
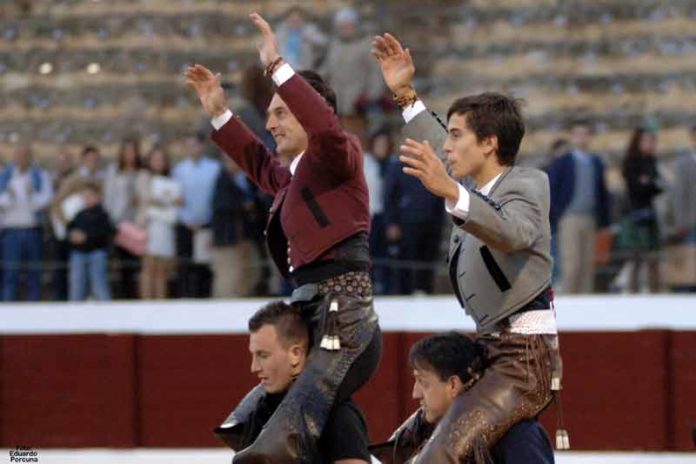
x=221 y=120
x=461 y=208
x=412 y=111
x=282 y=74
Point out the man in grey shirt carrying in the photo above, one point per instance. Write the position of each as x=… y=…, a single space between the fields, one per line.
x=499 y=257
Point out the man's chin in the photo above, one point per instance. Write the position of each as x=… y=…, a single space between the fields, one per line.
x=268 y=389
x=429 y=418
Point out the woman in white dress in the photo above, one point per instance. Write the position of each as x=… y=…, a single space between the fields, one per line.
x=160 y=198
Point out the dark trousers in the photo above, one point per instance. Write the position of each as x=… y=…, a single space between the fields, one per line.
x=193 y=280
x=21 y=253
x=126 y=287
x=379 y=253
x=419 y=247
x=60 y=254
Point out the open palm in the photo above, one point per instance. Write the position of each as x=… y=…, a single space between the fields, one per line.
x=395 y=61
x=268 y=48
x=207 y=86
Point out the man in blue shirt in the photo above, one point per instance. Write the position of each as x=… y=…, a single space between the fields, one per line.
x=25 y=192
x=197 y=174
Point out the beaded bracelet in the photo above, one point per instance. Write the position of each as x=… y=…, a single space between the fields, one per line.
x=407 y=98
x=271 y=68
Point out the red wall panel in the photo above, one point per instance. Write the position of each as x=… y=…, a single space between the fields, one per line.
x=682 y=364
x=379 y=398
x=188 y=385
x=614 y=393
x=623 y=390
x=66 y=391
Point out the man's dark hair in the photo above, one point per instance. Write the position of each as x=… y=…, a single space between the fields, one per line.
x=319 y=84
x=89 y=149
x=294 y=9
x=582 y=122
x=449 y=354
x=490 y=114
x=286 y=319
x=558 y=143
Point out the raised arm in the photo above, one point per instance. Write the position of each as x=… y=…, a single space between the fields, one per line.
x=398 y=70
x=312 y=111
x=233 y=137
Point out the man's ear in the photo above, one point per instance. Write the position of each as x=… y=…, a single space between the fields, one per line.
x=490 y=144
x=454 y=386
x=298 y=356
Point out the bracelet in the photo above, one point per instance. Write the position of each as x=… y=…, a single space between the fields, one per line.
x=271 y=68
x=407 y=98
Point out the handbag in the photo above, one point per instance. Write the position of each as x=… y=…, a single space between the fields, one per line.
x=131 y=238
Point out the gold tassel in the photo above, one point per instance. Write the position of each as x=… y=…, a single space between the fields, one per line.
x=562 y=440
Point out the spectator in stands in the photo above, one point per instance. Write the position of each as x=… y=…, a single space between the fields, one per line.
x=256 y=92
x=64 y=167
x=159 y=197
x=413 y=218
x=377 y=160
x=197 y=174
x=682 y=255
x=232 y=258
x=640 y=227
x=89 y=234
x=351 y=72
x=120 y=201
x=301 y=42
x=59 y=248
x=580 y=204
x=88 y=171
x=558 y=148
x=25 y=191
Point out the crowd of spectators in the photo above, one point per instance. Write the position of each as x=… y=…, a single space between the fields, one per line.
x=146 y=226
x=141 y=227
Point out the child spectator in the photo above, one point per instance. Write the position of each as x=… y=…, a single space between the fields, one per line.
x=90 y=233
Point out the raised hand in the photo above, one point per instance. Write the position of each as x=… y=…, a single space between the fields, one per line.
x=268 y=49
x=395 y=61
x=423 y=163
x=207 y=86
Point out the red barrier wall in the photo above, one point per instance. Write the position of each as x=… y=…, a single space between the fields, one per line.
x=623 y=390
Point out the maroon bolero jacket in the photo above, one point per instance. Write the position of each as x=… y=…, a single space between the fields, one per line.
x=326 y=201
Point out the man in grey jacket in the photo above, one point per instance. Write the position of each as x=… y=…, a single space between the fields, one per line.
x=499 y=258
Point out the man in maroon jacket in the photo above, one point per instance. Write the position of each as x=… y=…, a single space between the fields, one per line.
x=317 y=234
